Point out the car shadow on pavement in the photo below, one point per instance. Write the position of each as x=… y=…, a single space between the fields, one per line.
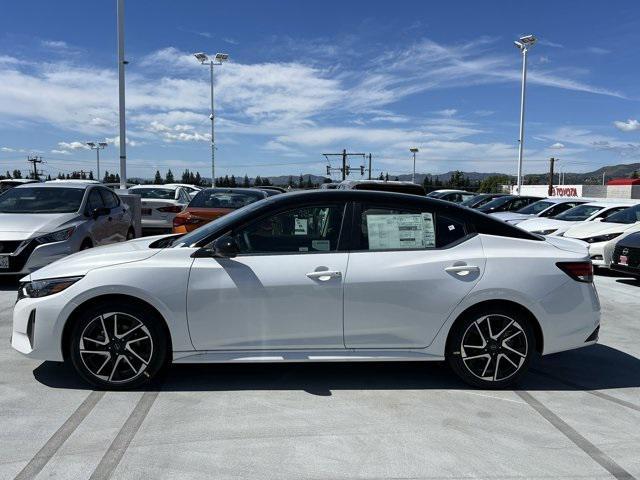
x=597 y=367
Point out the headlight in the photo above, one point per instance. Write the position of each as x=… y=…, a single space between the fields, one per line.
x=59 y=236
x=549 y=231
x=602 y=238
x=43 y=288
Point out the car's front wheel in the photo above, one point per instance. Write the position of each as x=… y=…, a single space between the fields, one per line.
x=118 y=346
x=492 y=348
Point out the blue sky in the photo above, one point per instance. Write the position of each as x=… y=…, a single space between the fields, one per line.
x=313 y=77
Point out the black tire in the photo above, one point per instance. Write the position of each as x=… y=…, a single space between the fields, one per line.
x=86 y=244
x=132 y=358
x=474 y=351
x=131 y=234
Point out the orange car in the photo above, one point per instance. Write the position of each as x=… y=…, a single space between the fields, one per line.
x=212 y=203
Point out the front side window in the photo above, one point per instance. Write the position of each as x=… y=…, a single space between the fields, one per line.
x=109 y=198
x=94 y=201
x=558 y=209
x=301 y=230
x=384 y=228
x=628 y=215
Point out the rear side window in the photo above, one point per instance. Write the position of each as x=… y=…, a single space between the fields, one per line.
x=384 y=228
x=95 y=200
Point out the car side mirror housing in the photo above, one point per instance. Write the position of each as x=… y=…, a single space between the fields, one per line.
x=223 y=247
x=100 y=212
x=599 y=219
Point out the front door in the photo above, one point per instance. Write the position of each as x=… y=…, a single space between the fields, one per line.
x=408 y=271
x=282 y=292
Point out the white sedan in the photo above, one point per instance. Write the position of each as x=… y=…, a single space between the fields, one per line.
x=334 y=275
x=549 y=207
x=598 y=234
x=160 y=203
x=587 y=212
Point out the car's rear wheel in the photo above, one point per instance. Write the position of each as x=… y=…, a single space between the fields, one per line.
x=491 y=348
x=118 y=347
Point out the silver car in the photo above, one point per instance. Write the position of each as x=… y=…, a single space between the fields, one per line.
x=43 y=222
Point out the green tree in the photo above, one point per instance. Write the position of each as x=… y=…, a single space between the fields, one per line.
x=309 y=183
x=493 y=184
x=257 y=182
x=169 y=178
x=266 y=182
x=17 y=174
x=91 y=175
x=157 y=180
x=8 y=174
x=301 y=182
x=198 y=179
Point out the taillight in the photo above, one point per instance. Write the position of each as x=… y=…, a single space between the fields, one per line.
x=180 y=220
x=579 y=271
x=171 y=209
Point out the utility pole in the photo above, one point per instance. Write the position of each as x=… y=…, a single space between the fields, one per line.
x=345 y=169
x=369 y=166
x=552 y=161
x=603 y=173
x=34 y=161
x=121 y=108
x=523 y=44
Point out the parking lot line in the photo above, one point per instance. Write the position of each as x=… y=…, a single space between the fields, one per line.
x=581 y=442
x=595 y=393
x=118 y=447
x=37 y=463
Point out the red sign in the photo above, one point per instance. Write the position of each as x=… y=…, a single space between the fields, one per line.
x=564 y=192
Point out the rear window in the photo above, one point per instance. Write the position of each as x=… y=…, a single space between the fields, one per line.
x=157 y=193
x=225 y=199
x=579 y=213
x=629 y=215
x=535 y=208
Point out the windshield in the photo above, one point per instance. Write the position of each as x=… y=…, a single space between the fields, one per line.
x=535 y=208
x=496 y=202
x=41 y=200
x=628 y=215
x=219 y=223
x=157 y=193
x=473 y=200
x=578 y=213
x=211 y=198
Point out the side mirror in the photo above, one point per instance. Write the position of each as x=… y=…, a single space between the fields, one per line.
x=100 y=212
x=225 y=247
x=599 y=219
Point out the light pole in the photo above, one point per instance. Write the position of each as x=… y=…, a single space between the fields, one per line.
x=121 y=97
x=97 y=146
x=523 y=44
x=217 y=60
x=414 y=150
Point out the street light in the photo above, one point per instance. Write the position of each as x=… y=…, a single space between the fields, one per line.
x=414 y=150
x=97 y=146
x=218 y=59
x=523 y=44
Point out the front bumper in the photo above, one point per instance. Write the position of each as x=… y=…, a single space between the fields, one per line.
x=35 y=329
x=31 y=256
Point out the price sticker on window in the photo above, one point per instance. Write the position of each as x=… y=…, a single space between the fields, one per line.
x=301 y=226
x=401 y=231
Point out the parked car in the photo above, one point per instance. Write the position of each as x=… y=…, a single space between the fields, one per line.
x=9 y=183
x=478 y=200
x=212 y=203
x=507 y=203
x=549 y=207
x=587 y=212
x=626 y=255
x=599 y=233
x=274 y=188
x=455 y=196
x=159 y=205
x=43 y=222
x=192 y=190
x=268 y=191
x=269 y=282
x=383 y=186
x=329 y=186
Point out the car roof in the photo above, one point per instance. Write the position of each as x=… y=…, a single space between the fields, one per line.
x=233 y=190
x=181 y=185
x=167 y=187
x=60 y=184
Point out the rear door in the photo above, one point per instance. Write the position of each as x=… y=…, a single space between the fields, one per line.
x=408 y=269
x=117 y=221
x=98 y=228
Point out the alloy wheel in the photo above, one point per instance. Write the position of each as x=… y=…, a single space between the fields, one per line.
x=494 y=347
x=116 y=347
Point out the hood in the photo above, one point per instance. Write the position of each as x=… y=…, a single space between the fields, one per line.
x=19 y=226
x=591 y=229
x=569 y=245
x=533 y=224
x=82 y=262
x=509 y=216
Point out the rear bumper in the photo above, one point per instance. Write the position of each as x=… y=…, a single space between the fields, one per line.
x=635 y=271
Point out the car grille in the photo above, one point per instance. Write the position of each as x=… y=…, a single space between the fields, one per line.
x=17 y=262
x=9 y=246
x=633 y=255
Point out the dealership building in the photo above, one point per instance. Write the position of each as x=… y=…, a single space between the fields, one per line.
x=628 y=188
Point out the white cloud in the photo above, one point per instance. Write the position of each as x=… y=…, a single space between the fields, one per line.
x=73 y=146
x=61 y=152
x=628 y=126
x=7 y=149
x=54 y=44
x=598 y=50
x=447 y=112
x=557 y=145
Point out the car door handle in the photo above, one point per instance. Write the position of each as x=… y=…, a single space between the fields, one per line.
x=462 y=270
x=324 y=275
